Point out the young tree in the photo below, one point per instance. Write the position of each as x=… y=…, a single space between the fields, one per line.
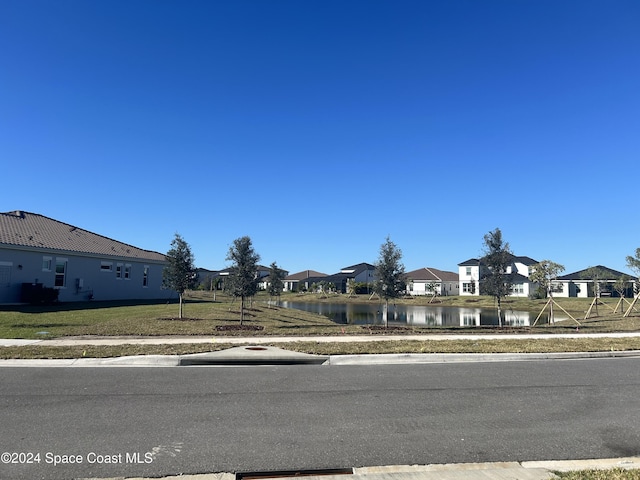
x=352 y=288
x=390 y=277
x=544 y=273
x=276 y=280
x=243 y=275
x=495 y=280
x=596 y=275
x=634 y=264
x=179 y=274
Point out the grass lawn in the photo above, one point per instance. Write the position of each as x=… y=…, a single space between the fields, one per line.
x=612 y=474
x=203 y=316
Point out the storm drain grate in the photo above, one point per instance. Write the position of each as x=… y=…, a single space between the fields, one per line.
x=293 y=473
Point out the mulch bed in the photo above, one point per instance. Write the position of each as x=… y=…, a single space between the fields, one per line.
x=382 y=328
x=235 y=328
x=183 y=319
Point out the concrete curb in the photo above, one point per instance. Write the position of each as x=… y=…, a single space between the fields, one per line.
x=276 y=356
x=396 y=358
x=532 y=470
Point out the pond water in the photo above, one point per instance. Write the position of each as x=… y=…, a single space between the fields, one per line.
x=418 y=315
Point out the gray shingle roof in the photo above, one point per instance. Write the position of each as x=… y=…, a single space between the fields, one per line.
x=305 y=274
x=605 y=273
x=30 y=230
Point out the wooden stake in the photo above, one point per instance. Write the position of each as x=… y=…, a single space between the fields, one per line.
x=631 y=306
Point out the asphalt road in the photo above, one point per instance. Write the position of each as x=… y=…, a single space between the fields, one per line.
x=162 y=421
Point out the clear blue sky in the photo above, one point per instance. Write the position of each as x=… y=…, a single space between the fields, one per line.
x=320 y=127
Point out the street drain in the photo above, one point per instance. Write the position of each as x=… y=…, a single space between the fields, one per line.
x=293 y=473
x=255 y=348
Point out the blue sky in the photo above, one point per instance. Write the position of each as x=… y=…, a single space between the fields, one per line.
x=319 y=128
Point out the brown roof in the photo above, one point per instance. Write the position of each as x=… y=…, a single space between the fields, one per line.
x=24 y=229
x=433 y=275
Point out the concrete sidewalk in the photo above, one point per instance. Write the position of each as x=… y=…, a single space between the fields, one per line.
x=465 y=471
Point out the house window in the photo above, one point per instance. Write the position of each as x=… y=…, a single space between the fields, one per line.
x=517 y=288
x=468 y=271
x=557 y=287
x=468 y=320
x=145 y=276
x=469 y=287
x=46 y=264
x=127 y=272
x=61 y=272
x=119 y=271
x=106 y=267
x=5 y=274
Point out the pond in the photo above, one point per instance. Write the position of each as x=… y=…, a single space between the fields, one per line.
x=418 y=315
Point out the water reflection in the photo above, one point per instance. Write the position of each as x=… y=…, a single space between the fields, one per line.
x=418 y=315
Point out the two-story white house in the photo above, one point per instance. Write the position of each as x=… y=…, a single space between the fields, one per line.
x=471 y=271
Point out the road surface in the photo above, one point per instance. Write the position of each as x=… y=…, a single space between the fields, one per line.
x=58 y=423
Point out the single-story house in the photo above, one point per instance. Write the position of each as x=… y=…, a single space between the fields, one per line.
x=431 y=281
x=471 y=271
x=292 y=282
x=207 y=278
x=40 y=256
x=361 y=273
x=581 y=283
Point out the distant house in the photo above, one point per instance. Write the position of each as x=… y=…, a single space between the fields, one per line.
x=471 y=271
x=207 y=279
x=38 y=254
x=360 y=273
x=265 y=281
x=293 y=282
x=429 y=281
x=581 y=283
x=262 y=274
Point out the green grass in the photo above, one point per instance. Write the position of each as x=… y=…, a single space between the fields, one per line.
x=203 y=316
x=611 y=474
x=551 y=345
